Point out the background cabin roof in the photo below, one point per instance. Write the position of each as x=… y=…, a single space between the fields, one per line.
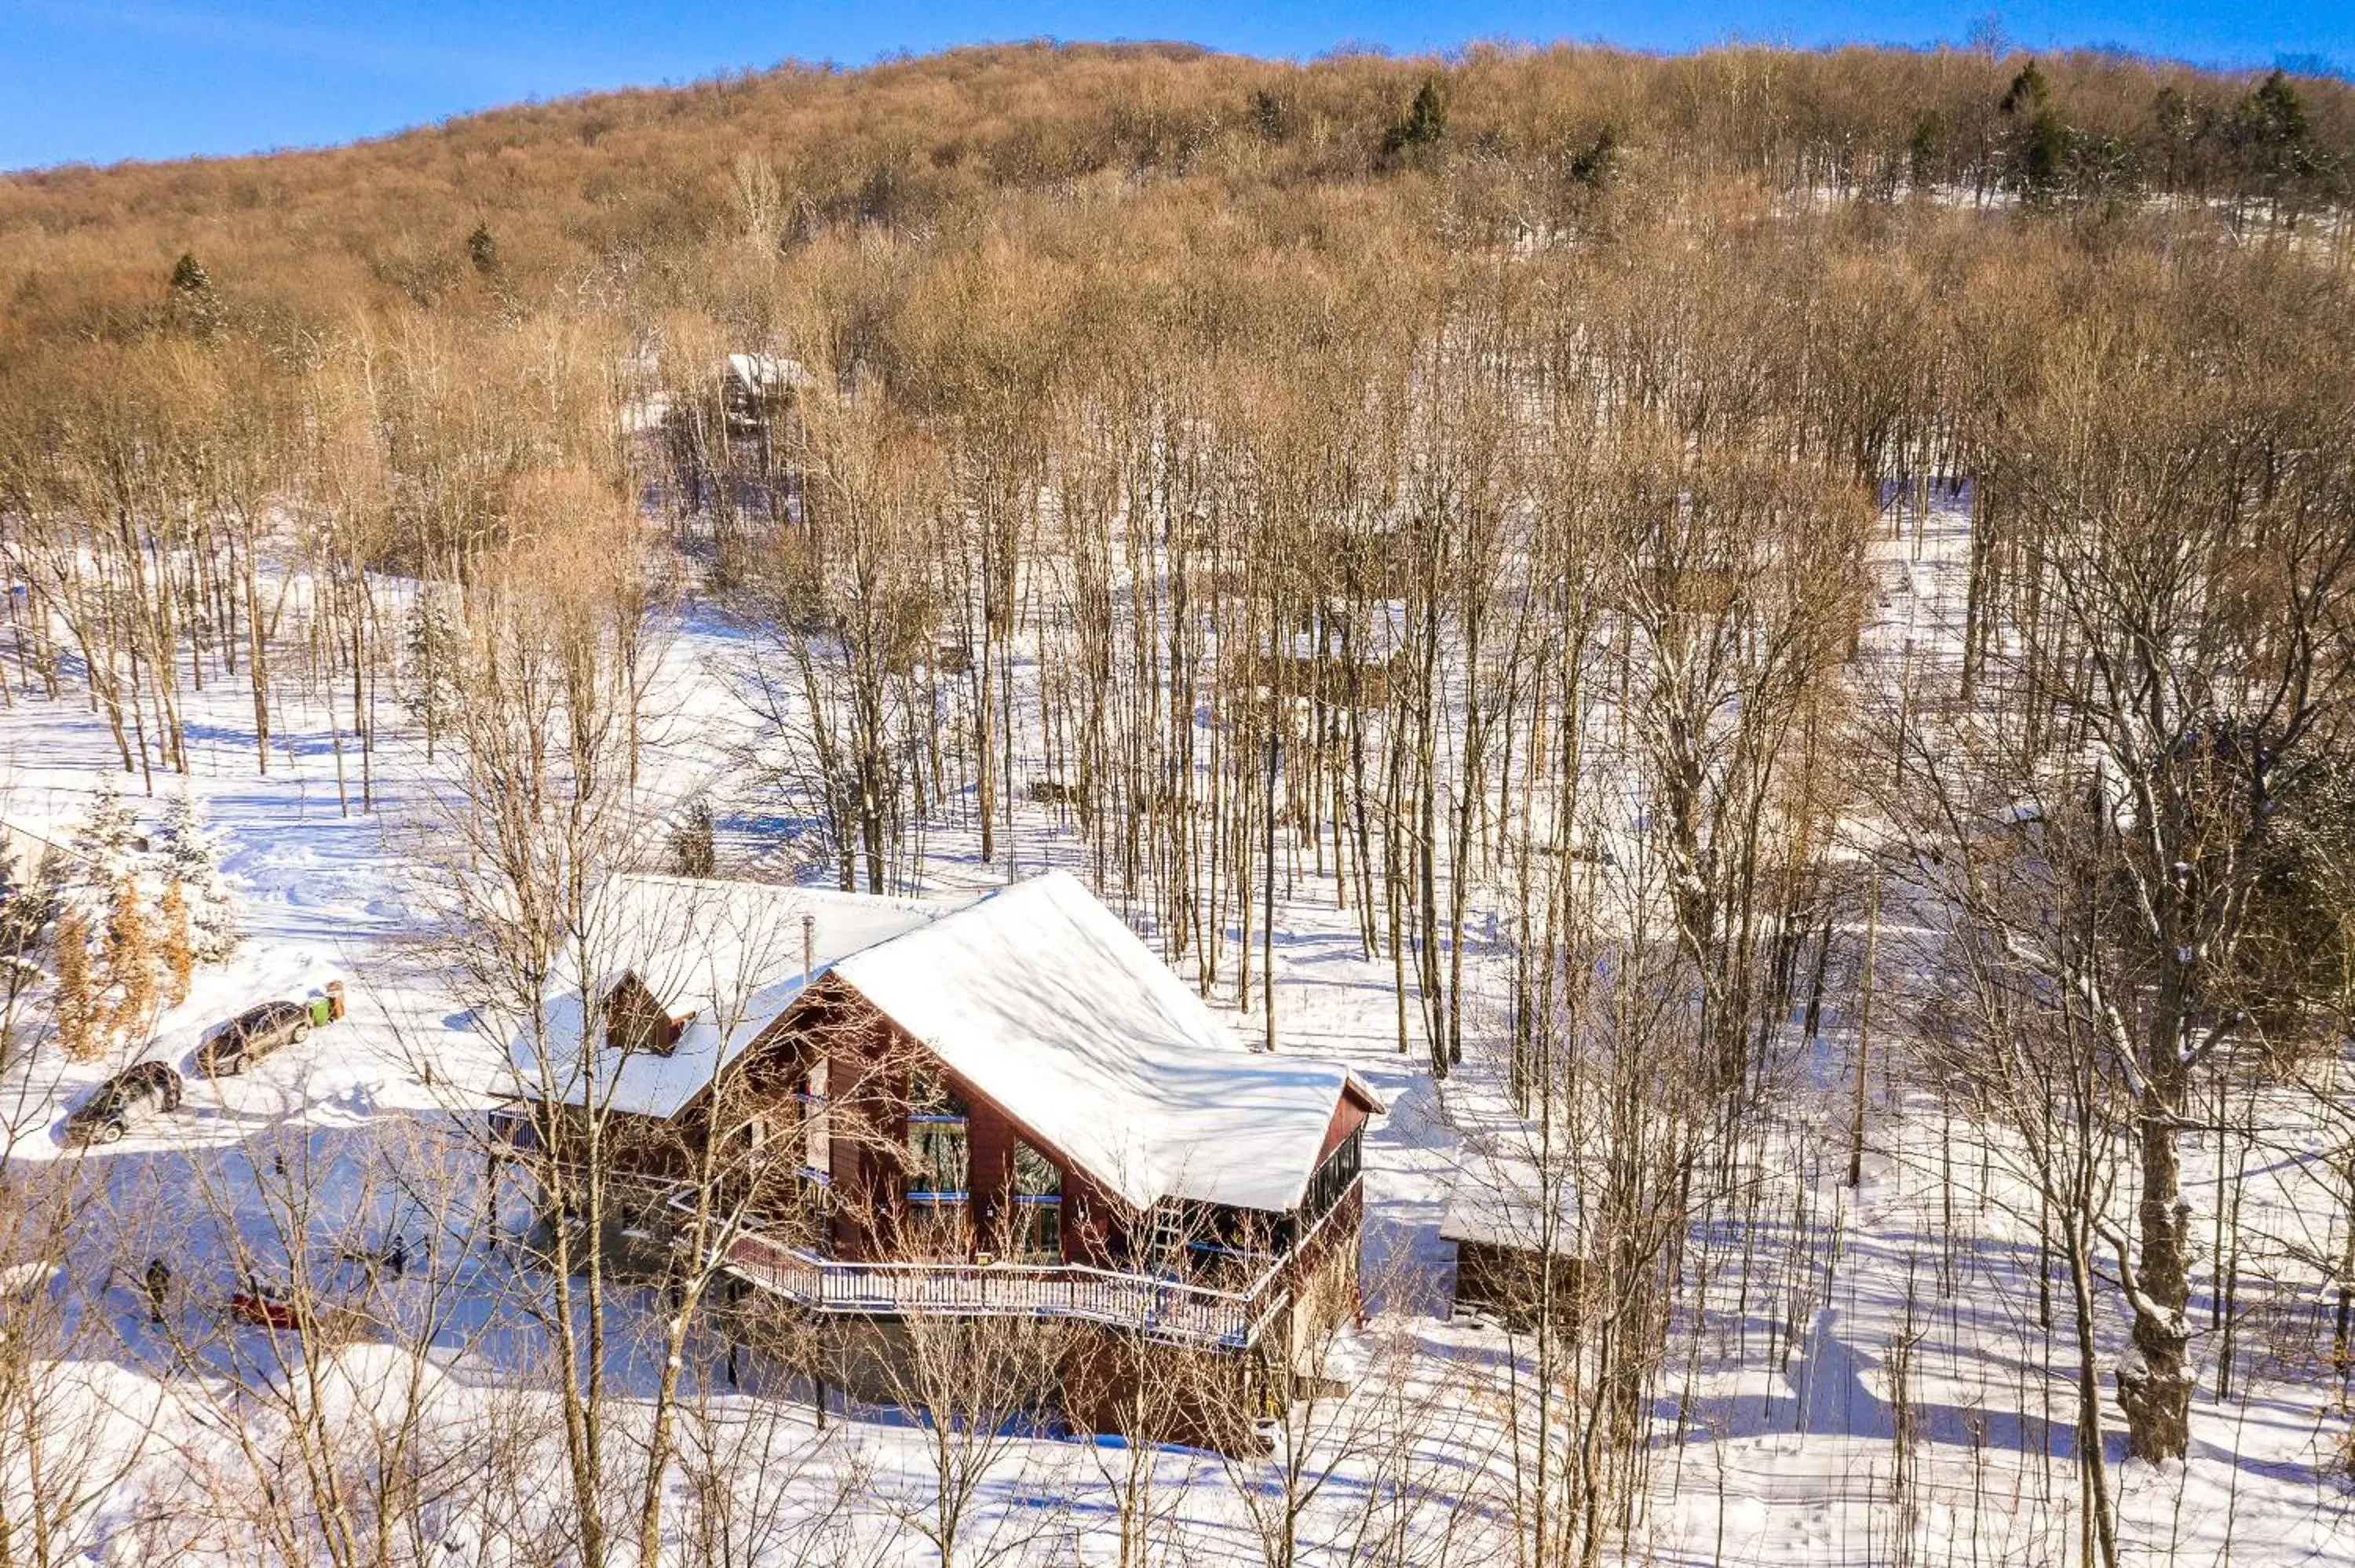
x=766 y=373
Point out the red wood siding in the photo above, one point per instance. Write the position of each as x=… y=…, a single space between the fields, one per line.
x=1347 y=1117
x=989 y=1149
x=1088 y=1210
x=867 y=1057
x=1095 y=1222
x=636 y=1020
x=867 y=1108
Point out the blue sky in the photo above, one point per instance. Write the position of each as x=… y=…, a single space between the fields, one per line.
x=102 y=79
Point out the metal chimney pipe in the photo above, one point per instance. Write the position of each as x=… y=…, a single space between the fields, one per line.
x=809 y=947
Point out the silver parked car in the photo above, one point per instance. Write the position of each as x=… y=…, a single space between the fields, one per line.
x=252 y=1035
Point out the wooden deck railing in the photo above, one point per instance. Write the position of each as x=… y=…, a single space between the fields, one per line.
x=1172 y=1310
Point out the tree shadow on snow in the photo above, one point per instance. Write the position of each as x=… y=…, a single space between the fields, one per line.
x=1836 y=1392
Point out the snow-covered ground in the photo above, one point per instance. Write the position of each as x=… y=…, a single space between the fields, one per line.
x=1778 y=1433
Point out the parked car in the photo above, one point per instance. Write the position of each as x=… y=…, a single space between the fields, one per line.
x=270 y=1304
x=252 y=1034
x=265 y=1307
x=140 y=1093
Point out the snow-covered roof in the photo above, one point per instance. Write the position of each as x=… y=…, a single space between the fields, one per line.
x=728 y=953
x=766 y=371
x=1035 y=995
x=1498 y=1200
x=1046 y=1003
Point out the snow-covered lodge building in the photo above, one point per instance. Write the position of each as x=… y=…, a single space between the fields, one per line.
x=1001 y=1106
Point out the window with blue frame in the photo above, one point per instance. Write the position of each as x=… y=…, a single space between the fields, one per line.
x=939 y=1165
x=939 y=1142
x=1037 y=1206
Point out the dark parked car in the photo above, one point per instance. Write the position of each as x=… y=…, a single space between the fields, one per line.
x=140 y=1093
x=252 y=1034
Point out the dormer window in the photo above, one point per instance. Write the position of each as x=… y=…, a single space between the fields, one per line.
x=635 y=1022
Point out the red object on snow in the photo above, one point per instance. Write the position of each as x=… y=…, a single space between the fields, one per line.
x=264 y=1311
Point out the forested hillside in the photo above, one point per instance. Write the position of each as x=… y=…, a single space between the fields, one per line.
x=1793 y=614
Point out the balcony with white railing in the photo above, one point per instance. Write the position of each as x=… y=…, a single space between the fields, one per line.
x=1170 y=1310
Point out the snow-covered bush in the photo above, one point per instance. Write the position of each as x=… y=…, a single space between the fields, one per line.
x=188 y=856
x=102 y=854
x=27 y=904
x=133 y=920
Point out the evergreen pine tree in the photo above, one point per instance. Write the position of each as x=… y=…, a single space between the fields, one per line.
x=1425 y=121
x=430 y=690
x=190 y=854
x=693 y=849
x=2041 y=141
x=102 y=850
x=2276 y=111
x=1925 y=150
x=2027 y=92
x=179 y=949
x=194 y=302
x=189 y=276
x=1426 y=118
x=2271 y=133
x=1593 y=164
x=29 y=898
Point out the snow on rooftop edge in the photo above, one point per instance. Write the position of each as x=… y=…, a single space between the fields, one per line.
x=1037 y=994
x=1045 y=1001
x=1500 y=1199
x=726 y=954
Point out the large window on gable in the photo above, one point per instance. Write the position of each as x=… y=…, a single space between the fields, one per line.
x=939 y=1143
x=1037 y=1206
x=939 y=1170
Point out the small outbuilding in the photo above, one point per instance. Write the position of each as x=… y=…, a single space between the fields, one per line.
x=756 y=385
x=1515 y=1227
